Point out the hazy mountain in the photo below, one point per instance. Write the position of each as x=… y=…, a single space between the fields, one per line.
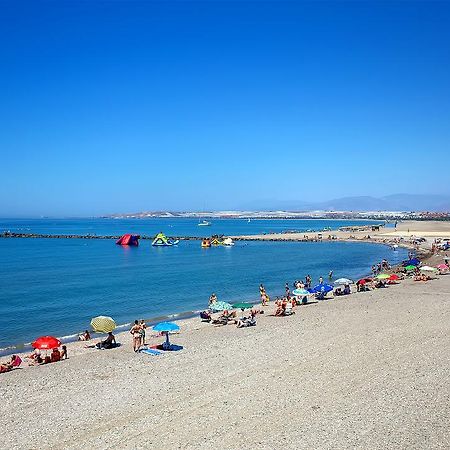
x=395 y=202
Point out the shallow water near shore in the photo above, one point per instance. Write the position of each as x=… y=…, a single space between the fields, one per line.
x=56 y=286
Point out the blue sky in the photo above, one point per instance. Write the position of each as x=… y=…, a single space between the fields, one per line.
x=126 y=106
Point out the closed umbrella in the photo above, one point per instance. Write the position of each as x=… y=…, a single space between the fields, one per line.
x=46 y=343
x=166 y=327
x=343 y=281
x=103 y=324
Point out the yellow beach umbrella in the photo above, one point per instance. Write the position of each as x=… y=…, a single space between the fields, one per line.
x=103 y=324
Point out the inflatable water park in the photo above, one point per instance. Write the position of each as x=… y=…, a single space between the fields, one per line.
x=161 y=240
x=128 y=239
x=217 y=240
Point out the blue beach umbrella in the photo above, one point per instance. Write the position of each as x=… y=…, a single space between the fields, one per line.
x=166 y=327
x=322 y=288
x=411 y=262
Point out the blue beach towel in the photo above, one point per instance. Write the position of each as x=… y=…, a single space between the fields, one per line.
x=150 y=351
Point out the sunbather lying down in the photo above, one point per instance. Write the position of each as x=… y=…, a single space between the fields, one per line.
x=225 y=318
x=247 y=321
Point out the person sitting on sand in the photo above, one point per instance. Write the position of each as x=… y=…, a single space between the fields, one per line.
x=55 y=355
x=63 y=352
x=338 y=292
x=347 y=290
x=109 y=342
x=135 y=331
x=86 y=336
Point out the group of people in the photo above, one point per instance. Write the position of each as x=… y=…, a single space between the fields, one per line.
x=36 y=358
x=380 y=267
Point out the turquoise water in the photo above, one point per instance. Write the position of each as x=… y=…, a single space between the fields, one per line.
x=172 y=227
x=55 y=286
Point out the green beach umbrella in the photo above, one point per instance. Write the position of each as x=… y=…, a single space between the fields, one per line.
x=383 y=276
x=242 y=306
x=410 y=267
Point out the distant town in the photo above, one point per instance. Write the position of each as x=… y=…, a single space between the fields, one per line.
x=378 y=215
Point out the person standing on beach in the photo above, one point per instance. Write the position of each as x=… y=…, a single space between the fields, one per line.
x=135 y=331
x=286 y=288
x=320 y=280
x=330 y=274
x=143 y=329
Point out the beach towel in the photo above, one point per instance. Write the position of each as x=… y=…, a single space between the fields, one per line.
x=150 y=351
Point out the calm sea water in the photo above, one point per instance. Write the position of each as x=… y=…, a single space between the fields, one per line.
x=171 y=227
x=55 y=286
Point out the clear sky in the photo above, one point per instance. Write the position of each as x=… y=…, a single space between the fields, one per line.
x=127 y=106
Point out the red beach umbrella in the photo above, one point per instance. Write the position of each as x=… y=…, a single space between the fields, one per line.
x=46 y=343
x=393 y=277
x=364 y=280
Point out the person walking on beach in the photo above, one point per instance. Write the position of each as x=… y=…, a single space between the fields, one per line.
x=135 y=331
x=262 y=289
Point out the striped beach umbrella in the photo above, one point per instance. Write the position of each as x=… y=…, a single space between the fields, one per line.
x=103 y=324
x=220 y=306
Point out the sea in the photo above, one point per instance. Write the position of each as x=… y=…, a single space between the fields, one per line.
x=55 y=286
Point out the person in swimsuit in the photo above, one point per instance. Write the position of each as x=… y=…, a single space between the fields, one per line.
x=108 y=343
x=135 y=331
x=143 y=329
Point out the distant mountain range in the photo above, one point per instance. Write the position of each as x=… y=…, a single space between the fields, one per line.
x=395 y=202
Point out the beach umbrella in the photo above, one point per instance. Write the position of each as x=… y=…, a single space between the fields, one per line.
x=220 y=306
x=443 y=267
x=343 y=281
x=394 y=277
x=383 y=276
x=411 y=262
x=46 y=343
x=166 y=327
x=242 y=306
x=322 y=288
x=103 y=324
x=428 y=269
x=410 y=267
x=364 y=280
x=300 y=292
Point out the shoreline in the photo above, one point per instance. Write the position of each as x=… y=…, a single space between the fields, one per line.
x=368 y=370
x=71 y=338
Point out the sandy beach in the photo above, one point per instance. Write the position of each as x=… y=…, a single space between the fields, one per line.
x=370 y=370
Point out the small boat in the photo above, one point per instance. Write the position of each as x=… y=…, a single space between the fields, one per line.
x=204 y=223
x=248 y=221
x=228 y=242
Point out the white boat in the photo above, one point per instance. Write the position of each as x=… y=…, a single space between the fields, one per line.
x=204 y=223
x=228 y=242
x=248 y=220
